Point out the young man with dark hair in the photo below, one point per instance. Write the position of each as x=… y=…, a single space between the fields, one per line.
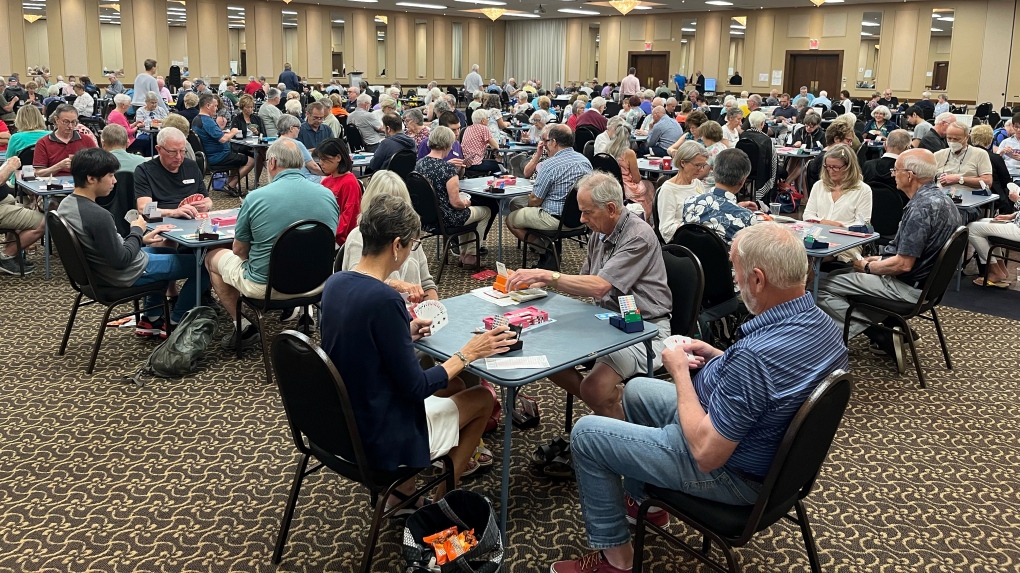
x=446 y=119
x=395 y=141
x=124 y=262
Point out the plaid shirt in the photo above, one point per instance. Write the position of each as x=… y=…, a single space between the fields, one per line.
x=556 y=177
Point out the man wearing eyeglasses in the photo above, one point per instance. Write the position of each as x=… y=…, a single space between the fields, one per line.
x=53 y=152
x=929 y=219
x=171 y=179
x=312 y=133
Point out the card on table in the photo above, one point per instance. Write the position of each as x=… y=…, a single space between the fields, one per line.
x=605 y=315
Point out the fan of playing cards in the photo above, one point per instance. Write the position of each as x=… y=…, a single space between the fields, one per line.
x=435 y=311
x=196 y=198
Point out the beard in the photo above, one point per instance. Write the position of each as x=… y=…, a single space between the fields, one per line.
x=750 y=301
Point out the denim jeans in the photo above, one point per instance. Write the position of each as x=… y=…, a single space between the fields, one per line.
x=648 y=448
x=167 y=264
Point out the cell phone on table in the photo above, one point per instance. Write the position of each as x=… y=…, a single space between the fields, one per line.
x=764 y=207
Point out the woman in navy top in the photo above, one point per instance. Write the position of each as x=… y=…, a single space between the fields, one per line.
x=368 y=333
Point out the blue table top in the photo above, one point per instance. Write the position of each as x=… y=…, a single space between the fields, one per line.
x=972 y=200
x=38 y=187
x=843 y=242
x=190 y=226
x=575 y=337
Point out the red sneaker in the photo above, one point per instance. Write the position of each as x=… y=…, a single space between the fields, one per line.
x=594 y=562
x=146 y=327
x=657 y=517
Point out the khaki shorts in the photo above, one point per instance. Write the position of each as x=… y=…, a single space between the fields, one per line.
x=532 y=218
x=17 y=218
x=231 y=268
x=633 y=360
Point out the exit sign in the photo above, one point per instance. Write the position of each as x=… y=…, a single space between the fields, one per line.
x=812 y=44
x=648 y=46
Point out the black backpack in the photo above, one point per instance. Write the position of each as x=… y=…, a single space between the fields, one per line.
x=178 y=355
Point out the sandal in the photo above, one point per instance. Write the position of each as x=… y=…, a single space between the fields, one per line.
x=474 y=468
x=980 y=281
x=483 y=455
x=406 y=511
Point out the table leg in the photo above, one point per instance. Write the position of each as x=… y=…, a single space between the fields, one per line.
x=499 y=233
x=650 y=354
x=816 y=264
x=504 y=488
x=46 y=237
x=260 y=157
x=199 y=259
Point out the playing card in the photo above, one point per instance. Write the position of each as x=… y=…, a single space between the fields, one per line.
x=435 y=311
x=627 y=304
x=500 y=269
x=676 y=340
x=605 y=315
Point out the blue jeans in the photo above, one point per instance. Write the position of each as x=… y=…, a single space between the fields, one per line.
x=167 y=264
x=660 y=151
x=648 y=448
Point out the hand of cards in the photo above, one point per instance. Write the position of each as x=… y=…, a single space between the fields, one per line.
x=192 y=199
x=677 y=340
x=435 y=311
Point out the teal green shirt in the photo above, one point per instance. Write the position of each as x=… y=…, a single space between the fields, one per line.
x=269 y=210
x=23 y=140
x=128 y=161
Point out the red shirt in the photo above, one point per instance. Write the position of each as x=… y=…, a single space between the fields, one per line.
x=3 y=129
x=593 y=118
x=572 y=122
x=49 y=150
x=347 y=191
x=252 y=87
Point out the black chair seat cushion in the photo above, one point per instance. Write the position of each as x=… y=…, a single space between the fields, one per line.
x=1003 y=242
x=724 y=519
x=350 y=469
x=451 y=231
x=898 y=307
x=566 y=233
x=107 y=294
x=282 y=303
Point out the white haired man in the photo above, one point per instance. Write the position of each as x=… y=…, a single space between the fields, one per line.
x=713 y=432
x=367 y=123
x=473 y=81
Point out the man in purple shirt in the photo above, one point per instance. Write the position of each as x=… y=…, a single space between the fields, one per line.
x=456 y=156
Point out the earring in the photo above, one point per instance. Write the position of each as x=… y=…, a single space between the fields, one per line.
x=395 y=257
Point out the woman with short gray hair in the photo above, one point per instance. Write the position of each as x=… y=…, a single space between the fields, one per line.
x=414 y=126
x=456 y=209
x=119 y=117
x=151 y=112
x=731 y=131
x=288 y=126
x=691 y=163
x=368 y=334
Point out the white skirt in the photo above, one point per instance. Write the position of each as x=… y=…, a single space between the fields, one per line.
x=444 y=425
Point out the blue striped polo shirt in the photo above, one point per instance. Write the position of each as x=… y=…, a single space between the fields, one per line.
x=754 y=389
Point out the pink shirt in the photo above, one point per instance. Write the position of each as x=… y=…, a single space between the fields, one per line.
x=630 y=86
x=118 y=118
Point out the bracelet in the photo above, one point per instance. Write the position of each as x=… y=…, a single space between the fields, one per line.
x=461 y=355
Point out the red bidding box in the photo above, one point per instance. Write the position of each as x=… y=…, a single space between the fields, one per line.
x=525 y=317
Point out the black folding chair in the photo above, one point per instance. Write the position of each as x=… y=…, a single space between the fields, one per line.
x=426 y=204
x=589 y=150
x=934 y=289
x=354 y=140
x=582 y=135
x=719 y=301
x=120 y=201
x=608 y=163
x=789 y=480
x=686 y=280
x=76 y=265
x=338 y=261
x=300 y=262
x=570 y=227
x=402 y=163
x=323 y=425
x=887 y=212
x=1006 y=246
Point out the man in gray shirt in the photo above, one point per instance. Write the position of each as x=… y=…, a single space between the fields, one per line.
x=370 y=126
x=145 y=83
x=473 y=81
x=665 y=131
x=624 y=258
x=270 y=112
x=123 y=262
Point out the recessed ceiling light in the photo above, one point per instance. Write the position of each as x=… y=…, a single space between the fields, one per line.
x=338 y=21
x=937 y=30
x=833 y=1
x=642 y=7
x=737 y=27
x=522 y=15
x=719 y=3
x=871 y=24
x=290 y=13
x=483 y=2
x=417 y=5
x=576 y=11
x=946 y=18
x=235 y=8
x=683 y=41
x=366 y=1
x=735 y=33
x=688 y=29
x=866 y=34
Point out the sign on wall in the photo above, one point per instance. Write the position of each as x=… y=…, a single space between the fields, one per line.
x=812 y=44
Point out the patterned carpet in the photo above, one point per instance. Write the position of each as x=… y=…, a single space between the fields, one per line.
x=193 y=474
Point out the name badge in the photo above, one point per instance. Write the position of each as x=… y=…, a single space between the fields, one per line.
x=188 y=181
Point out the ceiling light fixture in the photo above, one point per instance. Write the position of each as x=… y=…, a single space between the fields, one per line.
x=866 y=34
x=719 y=3
x=290 y=12
x=818 y=2
x=483 y=2
x=737 y=27
x=624 y=6
x=523 y=15
x=581 y=12
x=338 y=21
x=642 y=7
x=871 y=24
x=418 y=5
x=493 y=13
x=688 y=29
x=946 y=18
x=31 y=18
x=937 y=30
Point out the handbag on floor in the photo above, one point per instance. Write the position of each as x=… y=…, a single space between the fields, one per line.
x=466 y=510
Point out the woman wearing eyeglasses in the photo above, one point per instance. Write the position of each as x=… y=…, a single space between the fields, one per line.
x=368 y=334
x=691 y=163
x=840 y=198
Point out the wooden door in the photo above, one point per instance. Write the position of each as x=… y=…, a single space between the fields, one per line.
x=651 y=67
x=818 y=70
x=939 y=75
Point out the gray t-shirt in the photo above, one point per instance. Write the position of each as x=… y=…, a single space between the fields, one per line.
x=366 y=122
x=921 y=129
x=929 y=219
x=630 y=259
x=113 y=261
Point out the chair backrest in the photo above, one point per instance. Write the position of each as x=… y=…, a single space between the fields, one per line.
x=607 y=163
x=983 y=110
x=27 y=155
x=354 y=139
x=715 y=261
x=402 y=162
x=802 y=452
x=338 y=261
x=203 y=164
x=302 y=258
x=655 y=213
x=570 y=218
x=423 y=198
x=686 y=282
x=196 y=143
x=72 y=257
x=613 y=108
x=517 y=163
x=887 y=210
x=522 y=117
x=830 y=114
x=589 y=150
x=316 y=402
x=943 y=271
x=120 y=201
x=583 y=135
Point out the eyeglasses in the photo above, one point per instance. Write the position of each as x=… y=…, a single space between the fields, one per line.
x=68 y=121
x=171 y=151
x=894 y=170
x=835 y=167
x=316 y=117
x=699 y=165
x=415 y=243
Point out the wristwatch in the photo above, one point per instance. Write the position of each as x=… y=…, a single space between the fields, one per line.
x=867 y=268
x=461 y=355
x=555 y=279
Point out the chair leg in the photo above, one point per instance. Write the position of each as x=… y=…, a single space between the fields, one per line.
x=70 y=323
x=913 y=351
x=265 y=346
x=846 y=323
x=809 y=541
x=942 y=339
x=237 y=345
x=99 y=339
x=524 y=252
x=731 y=559
x=568 y=414
x=166 y=315
x=706 y=544
x=639 y=541
x=373 y=534
x=288 y=512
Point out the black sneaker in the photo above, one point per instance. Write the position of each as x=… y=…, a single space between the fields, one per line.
x=11 y=266
x=147 y=327
x=291 y=314
x=249 y=338
x=886 y=344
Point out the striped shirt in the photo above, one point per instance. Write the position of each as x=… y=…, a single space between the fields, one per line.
x=753 y=390
x=557 y=175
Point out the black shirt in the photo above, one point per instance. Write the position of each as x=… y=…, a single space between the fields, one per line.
x=932 y=141
x=789 y=112
x=168 y=189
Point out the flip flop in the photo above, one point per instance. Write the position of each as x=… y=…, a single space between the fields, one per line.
x=980 y=282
